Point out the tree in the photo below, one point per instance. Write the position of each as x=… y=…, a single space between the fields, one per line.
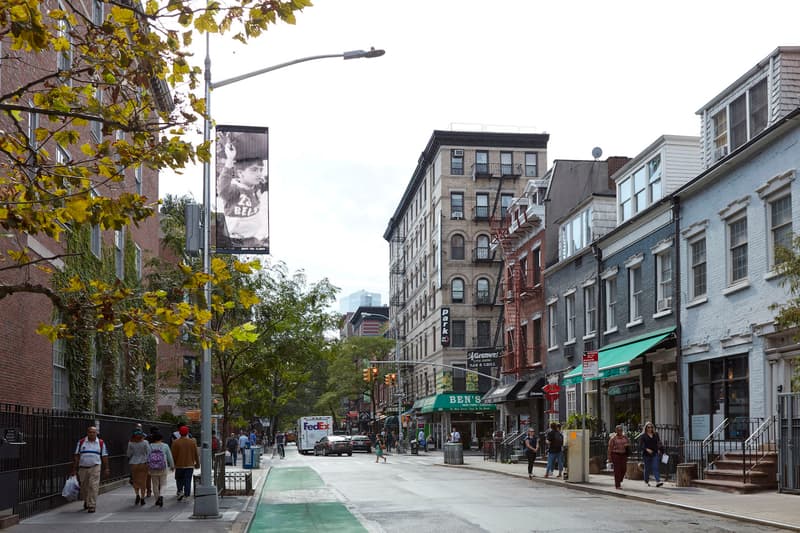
x=71 y=135
x=787 y=263
x=345 y=379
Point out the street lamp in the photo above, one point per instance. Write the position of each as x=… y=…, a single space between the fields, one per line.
x=206 y=504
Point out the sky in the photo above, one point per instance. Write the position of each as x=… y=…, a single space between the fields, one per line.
x=345 y=136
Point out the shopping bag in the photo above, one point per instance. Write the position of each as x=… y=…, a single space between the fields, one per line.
x=71 y=489
x=665 y=459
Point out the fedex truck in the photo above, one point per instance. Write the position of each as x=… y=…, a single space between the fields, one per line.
x=310 y=429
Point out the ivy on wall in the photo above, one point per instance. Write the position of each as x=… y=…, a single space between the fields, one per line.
x=120 y=370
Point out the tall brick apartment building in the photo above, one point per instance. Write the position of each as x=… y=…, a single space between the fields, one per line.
x=34 y=371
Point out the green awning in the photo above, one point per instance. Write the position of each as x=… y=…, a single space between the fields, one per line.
x=452 y=401
x=613 y=359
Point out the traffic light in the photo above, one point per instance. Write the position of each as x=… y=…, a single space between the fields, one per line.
x=387 y=379
x=367 y=374
x=374 y=372
x=394 y=378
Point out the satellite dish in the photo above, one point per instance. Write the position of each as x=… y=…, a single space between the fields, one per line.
x=597 y=152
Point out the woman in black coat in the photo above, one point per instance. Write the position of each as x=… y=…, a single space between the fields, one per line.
x=650 y=446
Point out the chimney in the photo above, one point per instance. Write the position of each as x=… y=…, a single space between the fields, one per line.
x=615 y=163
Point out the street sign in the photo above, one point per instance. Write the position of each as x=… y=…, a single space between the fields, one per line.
x=590 y=365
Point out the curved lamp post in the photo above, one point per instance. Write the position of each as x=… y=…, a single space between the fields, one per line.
x=206 y=504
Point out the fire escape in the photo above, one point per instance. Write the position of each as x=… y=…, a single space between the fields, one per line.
x=397 y=288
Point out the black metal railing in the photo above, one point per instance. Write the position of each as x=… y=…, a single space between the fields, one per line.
x=43 y=457
x=496 y=170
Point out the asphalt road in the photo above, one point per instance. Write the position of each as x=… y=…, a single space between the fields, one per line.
x=412 y=494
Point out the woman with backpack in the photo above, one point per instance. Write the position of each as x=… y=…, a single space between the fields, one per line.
x=159 y=459
x=138 y=452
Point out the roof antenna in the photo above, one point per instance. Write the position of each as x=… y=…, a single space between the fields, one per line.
x=597 y=152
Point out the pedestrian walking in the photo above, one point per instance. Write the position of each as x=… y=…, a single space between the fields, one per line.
x=280 y=442
x=244 y=444
x=187 y=458
x=555 y=443
x=149 y=438
x=90 y=454
x=137 y=452
x=531 y=445
x=232 y=445
x=651 y=448
x=380 y=447
x=455 y=436
x=618 y=451
x=159 y=459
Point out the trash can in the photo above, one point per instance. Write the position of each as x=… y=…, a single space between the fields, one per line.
x=453 y=453
x=247 y=460
x=256 y=456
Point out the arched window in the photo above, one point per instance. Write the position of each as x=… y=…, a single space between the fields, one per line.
x=482 y=247
x=457 y=291
x=482 y=291
x=457 y=247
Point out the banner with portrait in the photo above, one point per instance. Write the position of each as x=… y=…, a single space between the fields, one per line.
x=241 y=207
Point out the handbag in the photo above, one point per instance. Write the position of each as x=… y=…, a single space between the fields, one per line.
x=72 y=489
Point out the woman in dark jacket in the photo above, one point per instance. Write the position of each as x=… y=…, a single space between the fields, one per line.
x=650 y=446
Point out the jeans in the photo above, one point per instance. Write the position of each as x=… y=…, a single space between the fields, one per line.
x=552 y=458
x=531 y=456
x=234 y=453
x=183 y=477
x=651 y=466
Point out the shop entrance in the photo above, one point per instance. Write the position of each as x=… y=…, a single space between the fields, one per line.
x=625 y=402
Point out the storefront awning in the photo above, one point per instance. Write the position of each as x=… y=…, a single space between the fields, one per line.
x=452 y=401
x=613 y=359
x=532 y=389
x=503 y=393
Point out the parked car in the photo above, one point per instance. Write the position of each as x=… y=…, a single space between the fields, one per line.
x=333 y=444
x=361 y=443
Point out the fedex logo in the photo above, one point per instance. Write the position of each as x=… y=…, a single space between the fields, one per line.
x=315 y=425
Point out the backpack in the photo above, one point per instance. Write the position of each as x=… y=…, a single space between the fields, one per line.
x=156 y=460
x=102 y=445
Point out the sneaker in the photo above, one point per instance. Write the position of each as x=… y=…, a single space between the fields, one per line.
x=180 y=496
x=648 y=483
x=137 y=500
x=90 y=510
x=659 y=484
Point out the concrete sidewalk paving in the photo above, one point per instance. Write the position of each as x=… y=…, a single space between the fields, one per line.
x=116 y=511
x=767 y=508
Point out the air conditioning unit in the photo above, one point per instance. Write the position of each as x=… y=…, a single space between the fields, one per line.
x=457 y=216
x=509 y=295
x=458 y=153
x=664 y=304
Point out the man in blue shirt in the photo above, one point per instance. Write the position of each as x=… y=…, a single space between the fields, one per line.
x=244 y=444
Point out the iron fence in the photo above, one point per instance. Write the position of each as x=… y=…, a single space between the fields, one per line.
x=39 y=462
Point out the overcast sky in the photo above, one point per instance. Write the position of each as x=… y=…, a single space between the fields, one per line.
x=345 y=136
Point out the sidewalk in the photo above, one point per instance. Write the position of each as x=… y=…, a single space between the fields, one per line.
x=765 y=508
x=116 y=511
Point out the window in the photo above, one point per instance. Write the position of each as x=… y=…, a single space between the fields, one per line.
x=523 y=348
x=639 y=189
x=65 y=56
x=95 y=238
x=537 y=340
x=457 y=205
x=531 y=164
x=96 y=126
x=505 y=201
x=719 y=123
x=457 y=162
x=459 y=378
x=719 y=389
x=624 y=195
x=33 y=123
x=481 y=162
x=482 y=248
x=536 y=266
x=589 y=310
x=552 y=334
x=575 y=234
x=758 y=108
x=137 y=176
x=481 y=206
x=484 y=333
x=191 y=371
x=506 y=163
x=737 y=250
x=572 y=400
x=138 y=260
x=119 y=252
x=97 y=12
x=664 y=281
x=457 y=291
x=60 y=375
x=611 y=303
x=780 y=228
x=482 y=291
x=697 y=272
x=654 y=177
x=569 y=305
x=458 y=334
x=738 y=118
x=523 y=271
x=635 y=292
x=457 y=247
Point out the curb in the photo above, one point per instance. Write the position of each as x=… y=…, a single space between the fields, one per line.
x=596 y=490
x=245 y=517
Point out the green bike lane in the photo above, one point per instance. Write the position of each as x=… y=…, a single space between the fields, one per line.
x=296 y=499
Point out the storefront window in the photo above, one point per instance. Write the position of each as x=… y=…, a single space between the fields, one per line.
x=719 y=389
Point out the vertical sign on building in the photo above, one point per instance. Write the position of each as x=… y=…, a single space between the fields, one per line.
x=590 y=365
x=241 y=209
x=445 y=326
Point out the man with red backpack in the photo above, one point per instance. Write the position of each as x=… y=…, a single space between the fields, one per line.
x=90 y=453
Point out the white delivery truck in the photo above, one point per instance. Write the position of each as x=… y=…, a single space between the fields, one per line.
x=310 y=429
